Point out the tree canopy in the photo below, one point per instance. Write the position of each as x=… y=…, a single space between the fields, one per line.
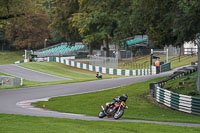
x=165 y=22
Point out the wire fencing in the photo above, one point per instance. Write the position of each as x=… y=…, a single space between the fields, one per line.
x=109 y=62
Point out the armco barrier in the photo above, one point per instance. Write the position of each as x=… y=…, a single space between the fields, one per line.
x=188 y=104
x=179 y=102
x=139 y=72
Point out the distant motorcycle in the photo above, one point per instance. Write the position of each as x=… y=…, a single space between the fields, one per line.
x=114 y=109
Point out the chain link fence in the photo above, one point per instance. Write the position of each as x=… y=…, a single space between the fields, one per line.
x=109 y=62
x=10 y=81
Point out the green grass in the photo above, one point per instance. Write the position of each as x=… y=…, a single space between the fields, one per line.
x=185 y=85
x=141 y=106
x=58 y=69
x=3 y=74
x=10 y=57
x=61 y=70
x=30 y=124
x=145 y=62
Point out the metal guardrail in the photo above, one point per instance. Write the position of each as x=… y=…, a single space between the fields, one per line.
x=184 y=103
x=179 y=102
x=10 y=81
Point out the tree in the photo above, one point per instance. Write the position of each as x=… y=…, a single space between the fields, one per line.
x=155 y=18
x=91 y=22
x=61 y=24
x=28 y=31
x=169 y=22
x=102 y=20
x=16 y=12
x=187 y=26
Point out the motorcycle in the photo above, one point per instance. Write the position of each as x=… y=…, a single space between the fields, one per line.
x=114 y=109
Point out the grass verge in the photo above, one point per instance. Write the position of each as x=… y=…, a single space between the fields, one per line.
x=185 y=85
x=61 y=70
x=10 y=57
x=30 y=124
x=145 y=61
x=141 y=106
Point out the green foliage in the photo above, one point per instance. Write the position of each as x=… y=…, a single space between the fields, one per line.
x=61 y=23
x=186 y=22
x=167 y=22
x=28 y=31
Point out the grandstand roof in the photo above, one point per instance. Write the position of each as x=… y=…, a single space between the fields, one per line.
x=136 y=41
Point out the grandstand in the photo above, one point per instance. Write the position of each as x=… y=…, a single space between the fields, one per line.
x=62 y=49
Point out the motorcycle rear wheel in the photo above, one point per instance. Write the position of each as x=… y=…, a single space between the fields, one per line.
x=119 y=114
x=102 y=114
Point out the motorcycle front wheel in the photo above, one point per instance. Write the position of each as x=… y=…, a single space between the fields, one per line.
x=102 y=114
x=119 y=114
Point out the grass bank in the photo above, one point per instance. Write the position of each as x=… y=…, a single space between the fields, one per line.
x=30 y=124
x=65 y=71
x=61 y=70
x=141 y=106
x=185 y=85
x=10 y=57
x=144 y=61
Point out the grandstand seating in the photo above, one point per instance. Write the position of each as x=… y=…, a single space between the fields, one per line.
x=62 y=49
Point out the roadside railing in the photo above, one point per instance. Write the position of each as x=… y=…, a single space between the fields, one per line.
x=184 y=103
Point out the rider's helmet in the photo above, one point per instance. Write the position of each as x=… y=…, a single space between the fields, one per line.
x=124 y=97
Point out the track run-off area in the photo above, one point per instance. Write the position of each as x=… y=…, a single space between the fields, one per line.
x=18 y=101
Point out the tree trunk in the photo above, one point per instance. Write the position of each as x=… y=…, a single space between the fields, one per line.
x=90 y=49
x=107 y=49
x=117 y=46
x=106 y=46
x=198 y=77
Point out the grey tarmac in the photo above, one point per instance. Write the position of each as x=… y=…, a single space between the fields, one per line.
x=18 y=101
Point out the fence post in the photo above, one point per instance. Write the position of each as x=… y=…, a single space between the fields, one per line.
x=21 y=83
x=152 y=87
x=2 y=83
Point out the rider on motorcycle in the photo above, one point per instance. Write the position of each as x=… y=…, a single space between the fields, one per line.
x=114 y=109
x=124 y=97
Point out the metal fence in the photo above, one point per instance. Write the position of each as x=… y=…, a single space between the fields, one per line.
x=108 y=62
x=190 y=51
x=184 y=103
x=173 y=51
x=10 y=81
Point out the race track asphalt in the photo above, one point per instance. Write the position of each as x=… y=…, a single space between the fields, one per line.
x=15 y=70
x=18 y=101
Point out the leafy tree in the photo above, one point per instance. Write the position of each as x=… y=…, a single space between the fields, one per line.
x=155 y=18
x=102 y=20
x=168 y=22
x=28 y=31
x=89 y=21
x=13 y=13
x=187 y=25
x=61 y=24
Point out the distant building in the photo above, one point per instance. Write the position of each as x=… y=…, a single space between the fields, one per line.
x=190 y=48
